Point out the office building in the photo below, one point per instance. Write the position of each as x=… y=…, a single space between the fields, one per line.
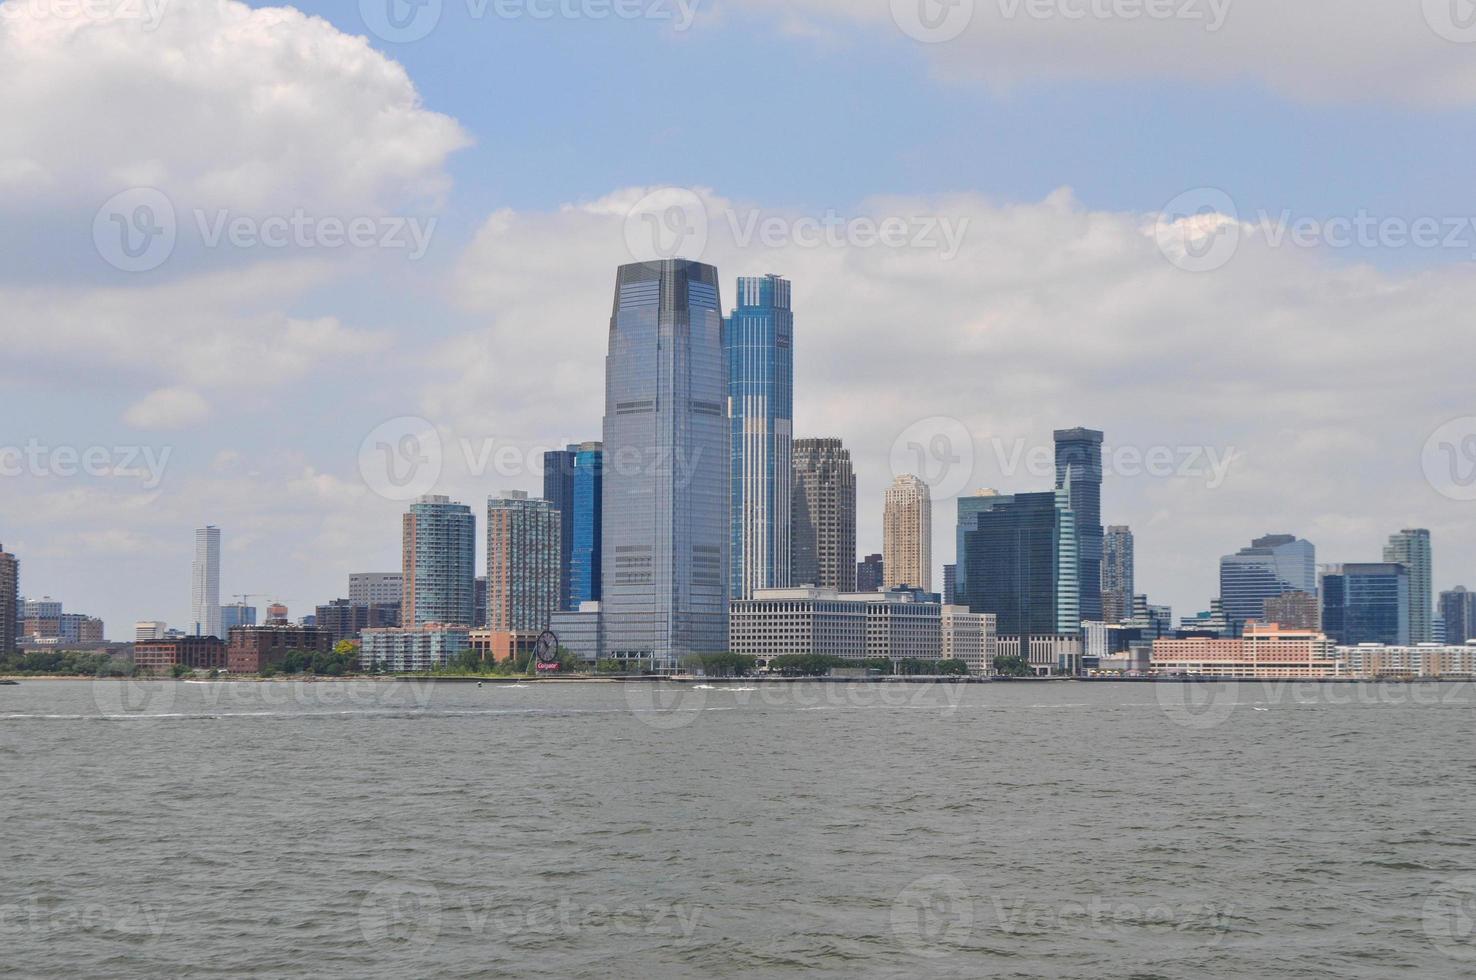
x=824 y=513
x=1272 y=565
x=439 y=562
x=1118 y=566
x=9 y=599
x=523 y=541
x=970 y=637
x=950 y=584
x=1046 y=653
x=205 y=584
x=1411 y=548
x=1458 y=610
x=374 y=588
x=1017 y=559
x=907 y=535
x=859 y=625
x=1366 y=603
x=558 y=490
x=870 y=574
x=1294 y=610
x=758 y=342
x=587 y=516
x=1079 y=473
x=666 y=520
x=581 y=632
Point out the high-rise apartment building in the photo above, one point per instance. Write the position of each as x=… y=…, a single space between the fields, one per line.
x=870 y=574
x=1458 y=609
x=1411 y=548
x=1118 y=565
x=1273 y=565
x=523 y=538
x=907 y=534
x=758 y=342
x=205 y=584
x=439 y=547
x=373 y=588
x=1366 y=603
x=9 y=598
x=824 y=536
x=666 y=521
x=1017 y=559
x=1079 y=473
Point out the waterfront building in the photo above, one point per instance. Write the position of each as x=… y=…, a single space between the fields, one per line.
x=1079 y=474
x=1458 y=609
x=870 y=574
x=1295 y=610
x=824 y=513
x=666 y=519
x=1409 y=662
x=1411 y=548
x=496 y=646
x=1118 y=573
x=1017 y=559
x=970 y=637
x=758 y=343
x=439 y=562
x=1366 y=603
x=161 y=656
x=907 y=535
x=251 y=648
x=1262 y=651
x=895 y=625
x=581 y=632
x=523 y=540
x=205 y=583
x=375 y=588
x=412 y=649
x=1046 y=653
x=1273 y=565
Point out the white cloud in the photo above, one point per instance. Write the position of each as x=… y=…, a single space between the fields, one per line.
x=168 y=408
x=1309 y=50
x=220 y=106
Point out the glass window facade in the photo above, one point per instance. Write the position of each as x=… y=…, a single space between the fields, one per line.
x=439 y=563
x=1366 y=603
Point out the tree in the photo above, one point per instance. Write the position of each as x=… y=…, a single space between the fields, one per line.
x=952 y=668
x=721 y=664
x=179 y=670
x=1012 y=667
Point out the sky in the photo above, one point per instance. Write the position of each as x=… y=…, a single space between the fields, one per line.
x=248 y=250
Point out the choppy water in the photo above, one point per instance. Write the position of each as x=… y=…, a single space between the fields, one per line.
x=1029 y=830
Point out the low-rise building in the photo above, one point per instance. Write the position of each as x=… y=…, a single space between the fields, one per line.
x=495 y=646
x=1265 y=651
x=1420 y=660
x=582 y=633
x=411 y=649
x=160 y=656
x=970 y=637
x=253 y=647
x=897 y=625
x=1047 y=653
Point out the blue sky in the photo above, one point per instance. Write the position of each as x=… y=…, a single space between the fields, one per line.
x=528 y=142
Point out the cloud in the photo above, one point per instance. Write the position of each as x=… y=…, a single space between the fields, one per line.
x=1284 y=360
x=168 y=408
x=218 y=104
x=1312 y=50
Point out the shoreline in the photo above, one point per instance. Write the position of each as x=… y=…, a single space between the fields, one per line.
x=21 y=679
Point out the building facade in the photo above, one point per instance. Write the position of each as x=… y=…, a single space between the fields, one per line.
x=824 y=515
x=1118 y=573
x=1409 y=662
x=582 y=632
x=205 y=584
x=9 y=601
x=439 y=562
x=413 y=649
x=370 y=588
x=1366 y=603
x=870 y=574
x=1079 y=474
x=907 y=535
x=558 y=490
x=1458 y=610
x=758 y=343
x=1017 y=559
x=1411 y=548
x=970 y=637
x=252 y=648
x=523 y=580
x=1272 y=565
x=1294 y=610
x=587 y=514
x=1262 y=651
x=343 y=619
x=195 y=652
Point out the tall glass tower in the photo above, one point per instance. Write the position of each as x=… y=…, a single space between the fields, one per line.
x=1079 y=471
x=758 y=342
x=1272 y=566
x=666 y=476
x=589 y=492
x=439 y=563
x=1017 y=559
x=1411 y=548
x=558 y=489
x=205 y=583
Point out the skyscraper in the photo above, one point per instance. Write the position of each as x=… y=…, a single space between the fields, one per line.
x=1079 y=471
x=1273 y=565
x=439 y=547
x=1117 y=574
x=587 y=514
x=1366 y=603
x=907 y=534
x=1411 y=548
x=758 y=342
x=1017 y=559
x=558 y=490
x=523 y=538
x=9 y=599
x=824 y=537
x=205 y=583
x=1458 y=609
x=666 y=521
x=870 y=574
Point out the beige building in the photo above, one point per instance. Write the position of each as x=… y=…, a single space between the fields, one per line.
x=1266 y=651
x=1420 y=660
x=970 y=637
x=907 y=535
x=855 y=625
x=1047 y=653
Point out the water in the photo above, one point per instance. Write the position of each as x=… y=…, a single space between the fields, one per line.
x=1029 y=830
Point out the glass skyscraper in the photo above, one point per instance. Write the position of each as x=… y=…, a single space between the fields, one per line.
x=1017 y=559
x=1366 y=603
x=1411 y=548
x=558 y=490
x=1079 y=472
x=758 y=341
x=585 y=548
x=1273 y=565
x=667 y=472
x=439 y=553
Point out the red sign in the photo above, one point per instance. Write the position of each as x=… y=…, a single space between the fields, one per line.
x=547 y=668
